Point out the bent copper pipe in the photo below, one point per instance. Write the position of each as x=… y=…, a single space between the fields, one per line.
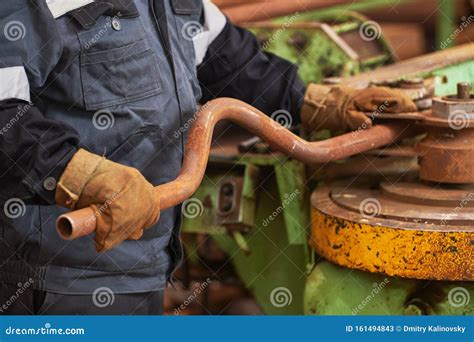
x=82 y=222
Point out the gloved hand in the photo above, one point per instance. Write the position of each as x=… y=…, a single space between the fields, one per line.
x=125 y=203
x=342 y=108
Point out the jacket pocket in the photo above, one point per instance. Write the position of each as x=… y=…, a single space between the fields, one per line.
x=187 y=7
x=119 y=75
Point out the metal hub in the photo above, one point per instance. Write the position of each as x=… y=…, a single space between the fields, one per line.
x=422 y=230
x=447 y=152
x=407 y=229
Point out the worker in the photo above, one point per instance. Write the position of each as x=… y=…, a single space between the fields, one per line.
x=94 y=96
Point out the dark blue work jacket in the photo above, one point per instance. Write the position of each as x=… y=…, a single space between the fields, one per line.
x=119 y=78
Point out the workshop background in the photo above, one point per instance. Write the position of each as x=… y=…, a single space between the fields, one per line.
x=387 y=232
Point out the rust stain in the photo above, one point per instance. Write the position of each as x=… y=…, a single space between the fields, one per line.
x=396 y=252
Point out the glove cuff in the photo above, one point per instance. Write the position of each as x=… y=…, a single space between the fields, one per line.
x=314 y=99
x=325 y=107
x=75 y=177
x=313 y=105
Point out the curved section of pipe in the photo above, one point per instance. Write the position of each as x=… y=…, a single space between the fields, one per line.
x=82 y=222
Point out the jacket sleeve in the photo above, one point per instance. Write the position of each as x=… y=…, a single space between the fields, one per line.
x=235 y=66
x=34 y=150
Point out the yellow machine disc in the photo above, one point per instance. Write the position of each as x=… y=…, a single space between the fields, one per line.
x=391 y=230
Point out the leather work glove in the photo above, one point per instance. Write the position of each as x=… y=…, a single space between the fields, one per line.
x=342 y=108
x=125 y=203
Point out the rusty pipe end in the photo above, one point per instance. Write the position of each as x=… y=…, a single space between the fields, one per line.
x=76 y=224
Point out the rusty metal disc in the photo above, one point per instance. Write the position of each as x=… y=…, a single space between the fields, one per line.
x=456 y=122
x=428 y=194
x=401 y=230
x=447 y=155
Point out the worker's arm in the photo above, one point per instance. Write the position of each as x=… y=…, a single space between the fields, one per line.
x=32 y=147
x=232 y=64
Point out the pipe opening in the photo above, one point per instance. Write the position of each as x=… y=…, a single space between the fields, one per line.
x=64 y=227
